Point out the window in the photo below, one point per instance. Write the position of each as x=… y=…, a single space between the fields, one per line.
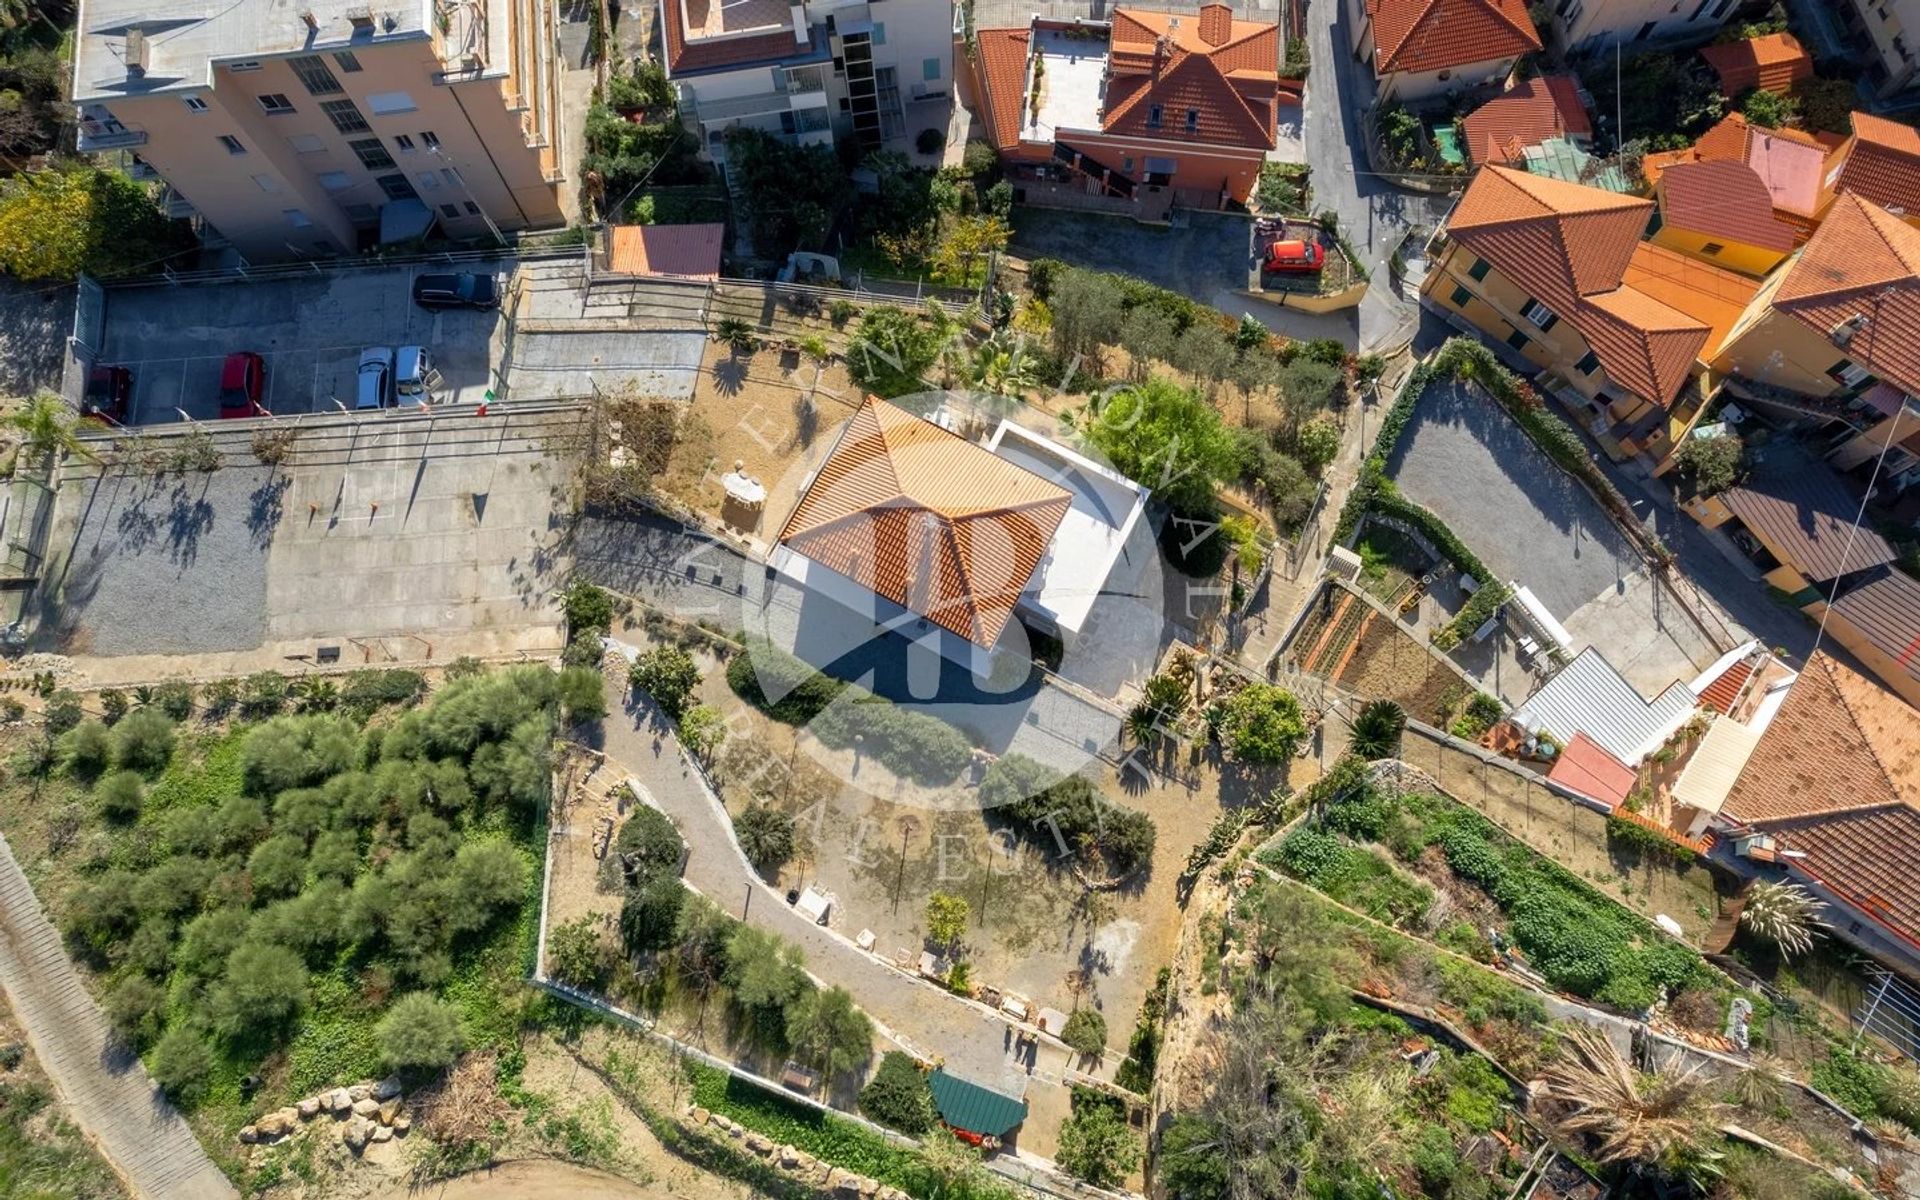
x=1193 y=120
x=429 y=181
x=1445 y=75
x=295 y=218
x=451 y=176
x=195 y=104
x=396 y=187
x=336 y=181
x=1517 y=340
x=373 y=156
x=232 y=144
x=315 y=75
x=473 y=210
x=930 y=69
x=360 y=214
x=879 y=33
x=403 y=143
x=1153 y=116
x=1538 y=313
x=347 y=63
x=345 y=117
x=238 y=67
x=386 y=104
x=1478 y=271
x=450 y=211
x=1644 y=31
x=266 y=183
x=1588 y=364
x=429 y=139
x=307 y=143
x=1849 y=374
x=1712 y=248
x=274 y=104
x=1460 y=296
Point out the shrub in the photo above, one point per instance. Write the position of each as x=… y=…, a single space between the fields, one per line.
x=947 y=917
x=582 y=694
x=588 y=608
x=669 y=675
x=263 y=985
x=647 y=846
x=1096 y=1145
x=780 y=685
x=1624 y=832
x=180 y=1064
x=766 y=837
x=278 y=865
x=62 y=712
x=1066 y=815
x=1713 y=463
x=923 y=748
x=121 y=795
x=1086 y=1031
x=898 y=1095
x=136 y=1006
x=174 y=698
x=891 y=351
x=375 y=688
x=649 y=913
x=113 y=705
x=86 y=749
x=1317 y=443
x=702 y=729
x=143 y=741
x=298 y=751
x=1262 y=724
x=419 y=1033
x=263 y=694
x=577 y=953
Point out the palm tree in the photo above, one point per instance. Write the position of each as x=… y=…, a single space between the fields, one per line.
x=1785 y=914
x=1591 y=1091
x=45 y=428
x=1163 y=699
x=1376 y=731
x=1000 y=366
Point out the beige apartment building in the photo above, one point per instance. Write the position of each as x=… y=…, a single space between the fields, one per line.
x=302 y=130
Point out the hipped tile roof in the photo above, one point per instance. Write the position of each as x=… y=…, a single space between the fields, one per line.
x=1774 y=61
x=1526 y=115
x=1792 y=165
x=706 y=54
x=1862 y=270
x=1225 y=70
x=927 y=520
x=1724 y=201
x=1570 y=247
x=1883 y=163
x=1439 y=35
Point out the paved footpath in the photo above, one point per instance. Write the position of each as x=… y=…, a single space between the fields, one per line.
x=107 y=1091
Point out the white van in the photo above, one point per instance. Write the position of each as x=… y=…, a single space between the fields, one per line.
x=415 y=382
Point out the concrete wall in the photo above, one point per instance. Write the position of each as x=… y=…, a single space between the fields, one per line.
x=1598 y=24
x=1419 y=87
x=291 y=158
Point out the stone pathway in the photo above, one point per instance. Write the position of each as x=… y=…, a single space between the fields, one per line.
x=107 y=1091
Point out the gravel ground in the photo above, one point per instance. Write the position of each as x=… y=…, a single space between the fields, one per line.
x=173 y=565
x=34 y=323
x=1529 y=521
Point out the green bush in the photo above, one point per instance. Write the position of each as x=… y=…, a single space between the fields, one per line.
x=174 y=698
x=181 y=1064
x=121 y=796
x=1066 y=815
x=898 y=1095
x=376 y=688
x=1648 y=842
x=86 y=749
x=1354 y=876
x=669 y=675
x=62 y=712
x=780 y=685
x=766 y=837
x=647 y=846
x=1086 y=1031
x=419 y=1033
x=1262 y=723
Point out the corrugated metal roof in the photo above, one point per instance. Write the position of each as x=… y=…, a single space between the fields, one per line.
x=976 y=1109
x=1588 y=696
x=1717 y=761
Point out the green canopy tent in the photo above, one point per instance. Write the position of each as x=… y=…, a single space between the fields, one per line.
x=975 y=1109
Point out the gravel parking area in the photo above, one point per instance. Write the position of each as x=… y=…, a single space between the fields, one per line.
x=1466 y=460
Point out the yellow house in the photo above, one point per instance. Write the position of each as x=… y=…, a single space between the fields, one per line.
x=1721 y=212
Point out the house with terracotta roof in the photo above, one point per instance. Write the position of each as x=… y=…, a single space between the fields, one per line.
x=1425 y=50
x=1826 y=787
x=1773 y=61
x=1148 y=110
x=1526 y=114
x=1583 y=26
x=1559 y=274
x=1797 y=169
x=950 y=541
x=810 y=72
x=1720 y=212
x=1881 y=163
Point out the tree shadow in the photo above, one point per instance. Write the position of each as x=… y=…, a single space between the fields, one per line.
x=188 y=519
x=265 y=505
x=730 y=375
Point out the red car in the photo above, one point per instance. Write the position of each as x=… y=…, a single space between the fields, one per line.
x=109 y=389
x=243 y=381
x=1293 y=258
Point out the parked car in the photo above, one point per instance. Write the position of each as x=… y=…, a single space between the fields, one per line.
x=243 y=383
x=109 y=393
x=465 y=289
x=1293 y=257
x=415 y=382
x=373 y=387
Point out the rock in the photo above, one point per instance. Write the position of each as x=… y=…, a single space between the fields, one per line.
x=249 y=1135
x=309 y=1108
x=788 y=1157
x=844 y=1183
x=736 y=1131
x=759 y=1144
x=360 y=1091
x=277 y=1123
x=401 y=1124
x=366 y=1107
x=387 y=1088
x=699 y=1115
x=869 y=1187
x=382 y=1133
x=724 y=1122
x=339 y=1100
x=357 y=1134
x=821 y=1173
x=389 y=1109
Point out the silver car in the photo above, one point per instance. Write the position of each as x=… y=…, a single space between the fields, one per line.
x=374 y=380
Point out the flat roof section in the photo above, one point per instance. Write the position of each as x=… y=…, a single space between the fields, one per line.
x=1072 y=85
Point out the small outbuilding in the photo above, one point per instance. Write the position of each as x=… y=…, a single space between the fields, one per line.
x=970 y=1108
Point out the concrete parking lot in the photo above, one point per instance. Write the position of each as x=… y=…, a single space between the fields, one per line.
x=309 y=328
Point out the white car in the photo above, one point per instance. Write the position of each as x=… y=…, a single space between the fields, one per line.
x=374 y=380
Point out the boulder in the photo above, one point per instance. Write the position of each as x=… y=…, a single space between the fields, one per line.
x=788 y=1157
x=366 y=1107
x=869 y=1187
x=249 y=1135
x=843 y=1183
x=822 y=1172
x=309 y=1108
x=382 y=1133
x=357 y=1134
x=360 y=1091
x=401 y=1124
x=389 y=1109
x=759 y=1144
x=339 y=1101
x=699 y=1115
x=736 y=1131
x=277 y=1123
x=387 y=1088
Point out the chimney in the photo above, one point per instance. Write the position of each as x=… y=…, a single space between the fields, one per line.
x=1161 y=45
x=136 y=52
x=1216 y=24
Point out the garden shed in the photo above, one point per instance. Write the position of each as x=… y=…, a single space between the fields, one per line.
x=970 y=1108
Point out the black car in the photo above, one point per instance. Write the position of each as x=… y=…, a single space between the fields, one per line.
x=464 y=290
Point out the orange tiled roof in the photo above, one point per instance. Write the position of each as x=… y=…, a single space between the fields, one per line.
x=1725 y=689
x=1438 y=35
x=1587 y=768
x=1775 y=61
x=702 y=54
x=1883 y=163
x=1698 y=289
x=928 y=520
x=1223 y=70
x=1526 y=115
x=1862 y=268
x=1000 y=62
x=1722 y=200
x=1570 y=246
x=688 y=251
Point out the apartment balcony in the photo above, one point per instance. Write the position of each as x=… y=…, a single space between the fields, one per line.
x=95 y=137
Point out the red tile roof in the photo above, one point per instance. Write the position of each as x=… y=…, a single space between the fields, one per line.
x=1775 y=61
x=927 y=520
x=1526 y=115
x=1725 y=689
x=1586 y=768
x=1223 y=71
x=1000 y=63
x=1439 y=35
x=1724 y=201
x=1883 y=163
x=705 y=54
x=688 y=251
x=1792 y=165
x=1570 y=246
x=1862 y=269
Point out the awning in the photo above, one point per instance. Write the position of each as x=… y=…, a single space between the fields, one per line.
x=404 y=220
x=1716 y=763
x=973 y=1108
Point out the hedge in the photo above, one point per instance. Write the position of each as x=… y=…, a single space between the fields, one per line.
x=1473 y=614
x=1180 y=311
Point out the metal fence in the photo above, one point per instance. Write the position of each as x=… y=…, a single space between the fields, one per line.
x=1889 y=1011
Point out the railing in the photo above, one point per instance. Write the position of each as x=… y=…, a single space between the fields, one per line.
x=326 y=266
x=91 y=140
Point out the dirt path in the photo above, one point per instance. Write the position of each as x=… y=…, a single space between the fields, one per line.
x=534 y=1179
x=105 y=1088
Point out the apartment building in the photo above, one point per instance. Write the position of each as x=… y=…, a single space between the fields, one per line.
x=308 y=131
x=1885 y=35
x=880 y=72
x=1581 y=26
